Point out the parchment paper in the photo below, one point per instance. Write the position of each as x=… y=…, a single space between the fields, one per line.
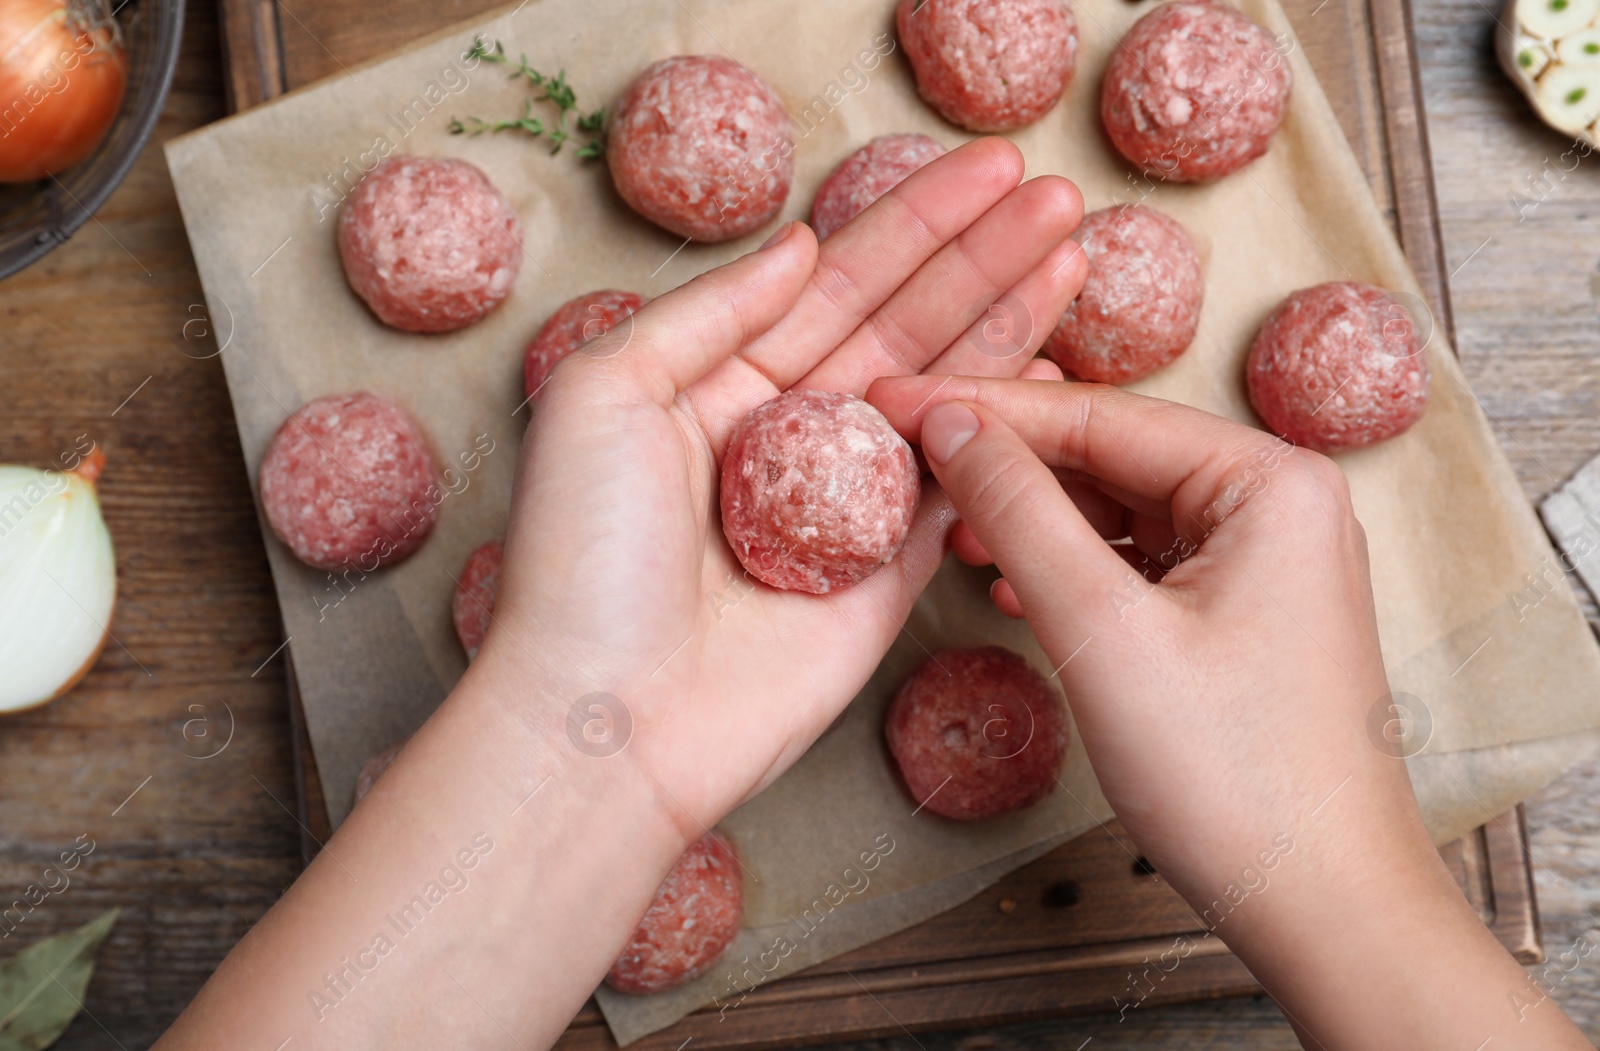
x=1503 y=682
x=760 y=955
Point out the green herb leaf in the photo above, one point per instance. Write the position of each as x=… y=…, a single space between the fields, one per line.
x=554 y=90
x=480 y=50
x=41 y=988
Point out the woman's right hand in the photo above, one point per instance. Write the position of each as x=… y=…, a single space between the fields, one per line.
x=1223 y=666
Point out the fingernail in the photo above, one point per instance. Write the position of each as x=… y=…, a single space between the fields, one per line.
x=946 y=429
x=777 y=235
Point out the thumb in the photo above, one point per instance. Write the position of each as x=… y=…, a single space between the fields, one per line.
x=1066 y=578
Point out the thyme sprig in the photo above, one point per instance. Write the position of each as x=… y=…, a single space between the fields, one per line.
x=554 y=90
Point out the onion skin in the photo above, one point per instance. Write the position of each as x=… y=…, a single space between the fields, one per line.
x=62 y=79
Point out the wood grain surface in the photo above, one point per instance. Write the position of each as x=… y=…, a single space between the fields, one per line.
x=193 y=850
x=106 y=337
x=1522 y=245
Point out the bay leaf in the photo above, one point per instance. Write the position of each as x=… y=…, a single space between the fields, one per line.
x=41 y=988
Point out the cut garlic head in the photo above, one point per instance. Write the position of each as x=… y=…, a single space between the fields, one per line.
x=58 y=581
x=1551 y=50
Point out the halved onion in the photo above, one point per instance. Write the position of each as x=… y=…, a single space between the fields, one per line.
x=58 y=581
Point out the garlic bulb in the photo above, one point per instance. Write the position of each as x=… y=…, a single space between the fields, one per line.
x=58 y=581
x=1551 y=50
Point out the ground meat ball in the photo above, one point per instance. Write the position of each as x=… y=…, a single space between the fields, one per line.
x=701 y=146
x=818 y=491
x=373 y=769
x=472 y=605
x=1141 y=302
x=1194 y=91
x=574 y=323
x=977 y=732
x=866 y=175
x=1338 y=366
x=693 y=919
x=349 y=480
x=429 y=243
x=990 y=65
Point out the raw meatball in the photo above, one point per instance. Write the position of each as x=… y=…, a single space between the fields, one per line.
x=429 y=243
x=866 y=175
x=700 y=145
x=990 y=65
x=1194 y=91
x=574 y=323
x=693 y=919
x=472 y=605
x=977 y=732
x=373 y=769
x=1141 y=302
x=818 y=491
x=349 y=481
x=1338 y=366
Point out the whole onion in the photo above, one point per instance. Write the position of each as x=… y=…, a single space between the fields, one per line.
x=62 y=77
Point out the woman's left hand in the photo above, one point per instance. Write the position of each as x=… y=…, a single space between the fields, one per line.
x=617 y=579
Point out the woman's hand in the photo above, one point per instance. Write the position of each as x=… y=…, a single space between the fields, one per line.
x=618 y=581
x=1221 y=660
x=486 y=884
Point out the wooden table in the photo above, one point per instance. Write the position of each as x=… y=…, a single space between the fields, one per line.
x=106 y=336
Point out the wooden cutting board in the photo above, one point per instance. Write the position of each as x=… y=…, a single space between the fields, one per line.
x=1083 y=929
